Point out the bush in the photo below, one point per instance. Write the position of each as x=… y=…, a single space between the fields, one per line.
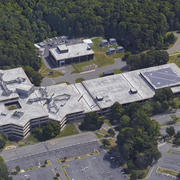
x=105 y=142
x=49 y=131
x=170 y=131
x=18 y=169
x=3 y=139
x=177 y=139
x=92 y=121
x=111 y=132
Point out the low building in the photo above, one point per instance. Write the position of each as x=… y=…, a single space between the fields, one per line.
x=104 y=43
x=41 y=51
x=111 y=51
x=22 y=107
x=70 y=53
x=88 y=42
x=109 y=73
x=120 y=49
x=112 y=41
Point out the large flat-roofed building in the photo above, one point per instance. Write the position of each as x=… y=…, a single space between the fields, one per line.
x=71 y=53
x=23 y=107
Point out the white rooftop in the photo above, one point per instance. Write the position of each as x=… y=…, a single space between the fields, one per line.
x=74 y=50
x=57 y=101
x=87 y=41
x=63 y=47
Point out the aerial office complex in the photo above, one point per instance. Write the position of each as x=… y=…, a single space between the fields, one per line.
x=23 y=107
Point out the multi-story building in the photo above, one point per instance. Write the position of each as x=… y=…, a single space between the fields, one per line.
x=23 y=107
x=71 y=53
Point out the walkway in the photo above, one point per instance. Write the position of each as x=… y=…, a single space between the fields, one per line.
x=176 y=46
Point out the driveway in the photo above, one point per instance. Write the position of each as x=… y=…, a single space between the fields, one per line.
x=165 y=117
x=68 y=77
x=167 y=161
x=176 y=46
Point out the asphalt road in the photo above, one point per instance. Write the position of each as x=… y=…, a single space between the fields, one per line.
x=68 y=77
x=47 y=146
x=165 y=117
x=176 y=46
x=85 y=168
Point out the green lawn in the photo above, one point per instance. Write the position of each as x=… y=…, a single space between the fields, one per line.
x=175 y=59
x=107 y=122
x=79 y=66
x=13 y=107
x=100 y=57
x=99 y=136
x=104 y=132
x=46 y=72
x=29 y=140
x=78 y=80
x=69 y=130
x=177 y=101
x=63 y=82
x=167 y=171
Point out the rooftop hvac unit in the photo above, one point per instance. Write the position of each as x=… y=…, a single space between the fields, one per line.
x=133 y=91
x=99 y=98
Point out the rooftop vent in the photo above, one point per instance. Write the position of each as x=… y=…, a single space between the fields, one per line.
x=3 y=114
x=18 y=114
x=133 y=91
x=99 y=98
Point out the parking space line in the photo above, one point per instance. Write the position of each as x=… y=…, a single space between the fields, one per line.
x=65 y=172
x=96 y=152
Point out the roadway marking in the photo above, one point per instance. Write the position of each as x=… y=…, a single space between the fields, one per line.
x=65 y=172
x=96 y=152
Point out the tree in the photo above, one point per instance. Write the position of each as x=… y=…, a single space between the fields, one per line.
x=34 y=76
x=177 y=139
x=105 y=142
x=51 y=130
x=164 y=94
x=38 y=133
x=174 y=118
x=124 y=121
x=170 y=131
x=148 y=59
x=137 y=139
x=178 y=176
x=92 y=121
x=111 y=132
x=57 y=175
x=3 y=140
x=17 y=169
x=170 y=39
x=117 y=112
x=3 y=170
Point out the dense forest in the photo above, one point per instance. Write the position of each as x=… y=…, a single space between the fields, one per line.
x=137 y=24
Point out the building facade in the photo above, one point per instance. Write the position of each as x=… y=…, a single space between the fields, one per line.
x=70 y=53
x=22 y=107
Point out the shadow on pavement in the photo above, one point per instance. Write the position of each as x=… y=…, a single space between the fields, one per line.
x=115 y=162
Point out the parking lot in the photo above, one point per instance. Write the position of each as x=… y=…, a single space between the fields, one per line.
x=170 y=160
x=94 y=168
x=81 y=160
